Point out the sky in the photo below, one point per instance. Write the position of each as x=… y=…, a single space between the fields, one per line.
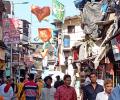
x=23 y=11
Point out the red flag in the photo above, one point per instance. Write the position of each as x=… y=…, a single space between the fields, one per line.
x=44 y=34
x=40 y=13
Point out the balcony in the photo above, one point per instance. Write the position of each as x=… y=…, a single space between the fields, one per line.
x=23 y=38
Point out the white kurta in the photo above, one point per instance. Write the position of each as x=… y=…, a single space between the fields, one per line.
x=102 y=96
x=48 y=94
x=8 y=95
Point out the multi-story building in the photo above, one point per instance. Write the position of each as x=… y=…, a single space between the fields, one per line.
x=69 y=33
x=23 y=46
x=20 y=47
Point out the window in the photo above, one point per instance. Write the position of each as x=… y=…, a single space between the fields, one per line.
x=66 y=41
x=71 y=29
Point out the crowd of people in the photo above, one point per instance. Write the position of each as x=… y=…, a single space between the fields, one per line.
x=94 y=91
x=38 y=89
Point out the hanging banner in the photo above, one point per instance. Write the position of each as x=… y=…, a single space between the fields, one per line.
x=40 y=13
x=11 y=33
x=116 y=47
x=45 y=34
x=58 y=10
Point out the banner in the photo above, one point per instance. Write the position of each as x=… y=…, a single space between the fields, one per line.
x=10 y=30
x=45 y=34
x=116 y=47
x=40 y=13
x=58 y=10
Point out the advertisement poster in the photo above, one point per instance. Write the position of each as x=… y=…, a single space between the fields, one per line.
x=11 y=33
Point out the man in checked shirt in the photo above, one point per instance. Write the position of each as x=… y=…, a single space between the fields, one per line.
x=66 y=92
x=30 y=88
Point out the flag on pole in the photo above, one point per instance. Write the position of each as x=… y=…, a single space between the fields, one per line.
x=58 y=10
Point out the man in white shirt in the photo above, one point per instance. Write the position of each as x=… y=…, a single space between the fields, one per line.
x=48 y=92
x=108 y=85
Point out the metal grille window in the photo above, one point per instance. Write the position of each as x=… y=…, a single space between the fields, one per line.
x=71 y=29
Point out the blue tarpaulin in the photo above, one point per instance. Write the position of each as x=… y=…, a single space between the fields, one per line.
x=80 y=3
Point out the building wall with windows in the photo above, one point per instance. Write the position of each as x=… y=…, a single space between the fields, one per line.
x=70 y=32
x=72 y=29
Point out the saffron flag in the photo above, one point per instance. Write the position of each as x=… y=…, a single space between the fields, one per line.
x=58 y=10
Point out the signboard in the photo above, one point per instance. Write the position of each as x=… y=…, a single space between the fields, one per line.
x=10 y=30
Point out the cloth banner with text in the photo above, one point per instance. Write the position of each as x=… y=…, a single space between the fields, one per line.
x=11 y=33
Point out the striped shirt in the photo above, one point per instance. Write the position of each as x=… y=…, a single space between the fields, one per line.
x=30 y=89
